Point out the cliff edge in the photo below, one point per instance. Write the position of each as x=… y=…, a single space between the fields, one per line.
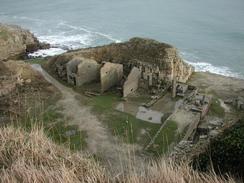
x=16 y=42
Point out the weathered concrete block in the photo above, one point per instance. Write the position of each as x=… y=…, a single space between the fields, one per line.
x=81 y=70
x=71 y=68
x=88 y=71
x=110 y=75
x=132 y=82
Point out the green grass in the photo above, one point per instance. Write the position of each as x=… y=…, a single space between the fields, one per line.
x=40 y=61
x=140 y=99
x=167 y=136
x=56 y=128
x=121 y=124
x=216 y=109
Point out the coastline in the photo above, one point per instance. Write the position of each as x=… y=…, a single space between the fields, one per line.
x=204 y=67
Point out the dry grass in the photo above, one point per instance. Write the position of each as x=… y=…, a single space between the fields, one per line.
x=31 y=157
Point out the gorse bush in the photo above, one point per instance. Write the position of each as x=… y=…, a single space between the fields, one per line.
x=225 y=153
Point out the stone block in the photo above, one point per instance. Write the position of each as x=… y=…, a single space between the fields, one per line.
x=132 y=82
x=110 y=75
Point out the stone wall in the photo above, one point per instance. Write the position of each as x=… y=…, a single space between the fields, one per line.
x=110 y=75
x=161 y=56
x=132 y=82
x=159 y=63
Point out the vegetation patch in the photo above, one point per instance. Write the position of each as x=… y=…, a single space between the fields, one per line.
x=216 y=109
x=40 y=61
x=166 y=137
x=126 y=126
x=225 y=153
x=56 y=128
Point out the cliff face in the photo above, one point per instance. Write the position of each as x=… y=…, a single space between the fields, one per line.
x=156 y=58
x=15 y=42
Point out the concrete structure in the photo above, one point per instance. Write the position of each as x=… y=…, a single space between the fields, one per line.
x=81 y=70
x=71 y=68
x=181 y=89
x=132 y=82
x=173 y=88
x=240 y=103
x=87 y=71
x=110 y=75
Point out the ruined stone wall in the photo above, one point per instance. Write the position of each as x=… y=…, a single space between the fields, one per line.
x=132 y=82
x=88 y=71
x=159 y=56
x=71 y=69
x=110 y=75
x=158 y=62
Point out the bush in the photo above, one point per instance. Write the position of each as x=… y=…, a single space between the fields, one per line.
x=226 y=152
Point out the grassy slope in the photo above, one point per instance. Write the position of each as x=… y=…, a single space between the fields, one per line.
x=216 y=109
x=54 y=125
x=166 y=137
x=31 y=157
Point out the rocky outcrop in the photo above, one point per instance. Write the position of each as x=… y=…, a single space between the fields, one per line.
x=16 y=42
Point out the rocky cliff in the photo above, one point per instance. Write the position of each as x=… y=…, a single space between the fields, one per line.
x=16 y=42
x=155 y=56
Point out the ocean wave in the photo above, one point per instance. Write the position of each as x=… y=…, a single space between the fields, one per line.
x=91 y=32
x=47 y=52
x=207 y=67
x=200 y=66
x=28 y=18
x=67 y=42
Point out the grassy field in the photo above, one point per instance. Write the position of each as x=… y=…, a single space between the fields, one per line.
x=57 y=129
x=129 y=128
x=40 y=61
x=46 y=115
x=166 y=137
x=216 y=109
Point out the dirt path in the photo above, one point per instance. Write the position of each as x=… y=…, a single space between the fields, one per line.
x=118 y=156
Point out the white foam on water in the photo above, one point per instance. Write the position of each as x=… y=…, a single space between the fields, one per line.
x=90 y=32
x=28 y=18
x=47 y=52
x=208 y=67
x=68 y=42
x=70 y=37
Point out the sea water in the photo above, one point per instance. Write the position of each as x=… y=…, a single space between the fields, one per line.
x=208 y=33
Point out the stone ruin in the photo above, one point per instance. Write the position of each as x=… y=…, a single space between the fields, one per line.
x=238 y=102
x=81 y=71
x=138 y=63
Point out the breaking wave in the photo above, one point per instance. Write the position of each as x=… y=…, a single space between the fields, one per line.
x=47 y=52
x=208 y=67
x=70 y=38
